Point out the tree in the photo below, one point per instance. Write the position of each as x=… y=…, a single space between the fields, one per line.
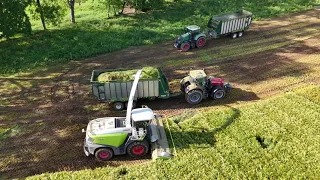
x=41 y=15
x=71 y=6
x=48 y=11
x=116 y=5
x=13 y=18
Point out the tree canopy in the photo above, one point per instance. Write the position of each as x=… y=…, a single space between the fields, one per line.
x=13 y=18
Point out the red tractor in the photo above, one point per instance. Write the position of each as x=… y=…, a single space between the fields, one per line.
x=198 y=86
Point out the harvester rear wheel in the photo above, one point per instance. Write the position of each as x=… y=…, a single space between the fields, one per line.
x=104 y=154
x=118 y=106
x=138 y=149
x=201 y=41
x=185 y=46
x=194 y=97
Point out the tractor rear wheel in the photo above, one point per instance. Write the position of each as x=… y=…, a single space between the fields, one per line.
x=218 y=94
x=104 y=154
x=138 y=149
x=201 y=41
x=194 y=97
x=118 y=106
x=185 y=46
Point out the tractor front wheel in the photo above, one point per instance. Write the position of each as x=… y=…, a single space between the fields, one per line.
x=194 y=97
x=118 y=106
x=185 y=46
x=218 y=94
x=104 y=154
x=138 y=149
x=201 y=41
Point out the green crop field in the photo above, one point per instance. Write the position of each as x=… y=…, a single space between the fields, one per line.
x=95 y=34
x=278 y=138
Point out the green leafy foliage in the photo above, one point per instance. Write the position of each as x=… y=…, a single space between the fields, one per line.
x=146 y=5
x=276 y=138
x=13 y=18
x=147 y=73
x=53 y=11
x=95 y=34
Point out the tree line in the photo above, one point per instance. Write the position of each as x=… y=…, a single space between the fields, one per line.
x=15 y=14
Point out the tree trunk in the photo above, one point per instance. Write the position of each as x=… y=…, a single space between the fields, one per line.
x=71 y=6
x=109 y=9
x=41 y=15
x=123 y=6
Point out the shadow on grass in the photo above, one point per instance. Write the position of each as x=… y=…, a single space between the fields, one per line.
x=200 y=136
x=179 y=102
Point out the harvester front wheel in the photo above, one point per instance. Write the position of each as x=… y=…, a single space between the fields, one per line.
x=194 y=97
x=201 y=41
x=219 y=94
x=185 y=46
x=104 y=154
x=118 y=106
x=138 y=149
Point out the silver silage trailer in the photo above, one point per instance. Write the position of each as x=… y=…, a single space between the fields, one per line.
x=233 y=24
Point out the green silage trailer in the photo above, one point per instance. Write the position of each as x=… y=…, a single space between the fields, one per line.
x=117 y=92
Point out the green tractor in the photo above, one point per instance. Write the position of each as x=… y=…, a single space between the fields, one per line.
x=193 y=37
x=136 y=134
x=231 y=24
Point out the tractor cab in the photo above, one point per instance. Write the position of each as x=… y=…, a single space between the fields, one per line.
x=199 y=76
x=192 y=37
x=193 y=29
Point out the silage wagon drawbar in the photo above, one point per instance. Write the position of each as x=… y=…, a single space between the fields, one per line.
x=233 y=24
x=195 y=87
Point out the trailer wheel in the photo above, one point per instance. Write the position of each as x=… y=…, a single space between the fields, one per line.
x=134 y=104
x=103 y=154
x=118 y=106
x=194 y=97
x=240 y=34
x=201 y=41
x=234 y=35
x=138 y=149
x=185 y=46
x=218 y=94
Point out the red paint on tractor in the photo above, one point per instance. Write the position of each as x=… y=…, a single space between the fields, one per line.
x=217 y=81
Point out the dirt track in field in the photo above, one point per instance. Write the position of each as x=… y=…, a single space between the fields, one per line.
x=48 y=109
